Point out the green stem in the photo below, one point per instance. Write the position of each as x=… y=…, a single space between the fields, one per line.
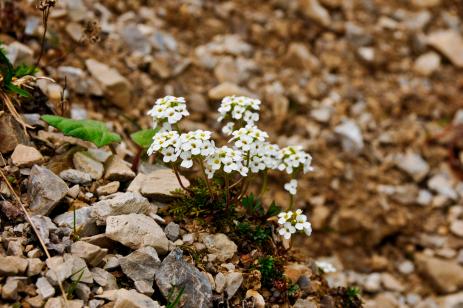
x=205 y=177
x=227 y=191
x=179 y=179
x=291 y=202
x=264 y=184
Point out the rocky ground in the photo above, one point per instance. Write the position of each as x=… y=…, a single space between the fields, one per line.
x=372 y=89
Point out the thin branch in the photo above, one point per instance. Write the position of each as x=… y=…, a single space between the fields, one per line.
x=28 y=217
x=180 y=180
x=205 y=177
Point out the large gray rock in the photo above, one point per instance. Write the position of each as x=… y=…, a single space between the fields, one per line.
x=26 y=156
x=118 y=170
x=104 y=278
x=12 y=265
x=220 y=245
x=449 y=43
x=45 y=190
x=315 y=11
x=141 y=264
x=69 y=266
x=83 y=162
x=136 y=231
x=83 y=221
x=176 y=273
x=121 y=204
x=116 y=88
x=11 y=133
x=75 y=176
x=92 y=254
x=445 y=276
x=158 y=184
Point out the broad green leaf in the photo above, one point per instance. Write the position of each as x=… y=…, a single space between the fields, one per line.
x=89 y=130
x=144 y=137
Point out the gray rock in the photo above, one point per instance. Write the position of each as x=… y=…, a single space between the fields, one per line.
x=83 y=221
x=11 y=134
x=220 y=245
x=44 y=226
x=233 y=283
x=124 y=203
x=227 y=89
x=442 y=184
x=58 y=302
x=351 y=136
x=92 y=254
x=68 y=267
x=172 y=231
x=175 y=272
x=118 y=170
x=456 y=227
x=315 y=11
x=135 y=40
x=83 y=291
x=76 y=78
x=141 y=264
x=257 y=299
x=305 y=303
x=44 y=288
x=136 y=231
x=45 y=190
x=116 y=88
x=144 y=287
x=25 y=156
x=11 y=265
x=451 y=301
x=19 y=53
x=157 y=185
x=445 y=276
x=75 y=176
x=427 y=63
x=413 y=164
x=108 y=189
x=83 y=162
x=35 y=266
x=133 y=299
x=104 y=278
x=220 y=282
x=11 y=288
x=100 y=155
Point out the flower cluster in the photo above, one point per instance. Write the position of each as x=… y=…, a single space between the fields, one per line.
x=293 y=158
x=238 y=109
x=226 y=159
x=172 y=146
x=168 y=111
x=326 y=267
x=291 y=187
x=291 y=222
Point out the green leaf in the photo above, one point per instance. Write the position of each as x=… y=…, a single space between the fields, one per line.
x=15 y=89
x=89 y=130
x=24 y=70
x=273 y=210
x=144 y=137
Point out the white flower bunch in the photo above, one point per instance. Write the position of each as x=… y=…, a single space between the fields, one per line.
x=291 y=222
x=291 y=187
x=249 y=138
x=168 y=111
x=293 y=158
x=172 y=146
x=226 y=159
x=238 y=109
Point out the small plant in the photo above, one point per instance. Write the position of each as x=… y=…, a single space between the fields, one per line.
x=73 y=286
x=90 y=130
x=247 y=156
x=174 y=302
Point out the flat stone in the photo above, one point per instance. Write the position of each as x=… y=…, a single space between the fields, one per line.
x=220 y=282
x=136 y=231
x=116 y=88
x=220 y=245
x=108 y=189
x=25 y=156
x=456 y=227
x=141 y=264
x=83 y=162
x=11 y=134
x=157 y=185
x=315 y=11
x=133 y=299
x=442 y=184
x=92 y=254
x=144 y=287
x=445 y=276
x=451 y=301
x=257 y=299
x=10 y=289
x=45 y=190
x=35 y=266
x=351 y=136
x=69 y=267
x=422 y=4
x=427 y=63
x=118 y=170
x=19 y=53
x=233 y=283
x=104 y=278
x=58 y=302
x=175 y=272
x=228 y=89
x=449 y=43
x=413 y=164
x=75 y=176
x=44 y=288
x=12 y=265
x=121 y=204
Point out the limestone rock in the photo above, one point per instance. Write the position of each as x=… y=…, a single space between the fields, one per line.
x=227 y=89
x=108 y=189
x=12 y=265
x=11 y=133
x=315 y=11
x=233 y=283
x=25 y=156
x=83 y=221
x=136 y=231
x=45 y=190
x=449 y=43
x=413 y=164
x=118 y=170
x=141 y=264
x=75 y=176
x=44 y=288
x=445 y=276
x=157 y=185
x=427 y=63
x=104 y=278
x=220 y=245
x=133 y=299
x=92 y=254
x=85 y=163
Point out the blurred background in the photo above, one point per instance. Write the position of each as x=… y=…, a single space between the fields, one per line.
x=371 y=88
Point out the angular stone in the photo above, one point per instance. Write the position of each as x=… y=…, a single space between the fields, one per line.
x=445 y=276
x=141 y=264
x=11 y=133
x=175 y=272
x=118 y=170
x=108 y=189
x=44 y=288
x=413 y=164
x=10 y=289
x=227 y=89
x=92 y=254
x=220 y=245
x=233 y=283
x=83 y=162
x=136 y=231
x=104 y=278
x=11 y=265
x=456 y=227
x=315 y=11
x=45 y=190
x=144 y=287
x=351 y=136
x=116 y=88
x=133 y=299
x=257 y=299
x=157 y=185
x=35 y=266
x=427 y=63
x=83 y=221
x=19 y=53
x=25 y=156
x=449 y=43
x=121 y=204
x=75 y=176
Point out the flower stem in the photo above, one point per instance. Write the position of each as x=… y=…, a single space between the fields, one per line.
x=205 y=177
x=227 y=191
x=180 y=180
x=291 y=202
x=264 y=184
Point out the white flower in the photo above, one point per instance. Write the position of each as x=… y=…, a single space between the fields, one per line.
x=228 y=128
x=293 y=158
x=291 y=187
x=227 y=159
x=326 y=267
x=238 y=109
x=292 y=222
x=167 y=111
